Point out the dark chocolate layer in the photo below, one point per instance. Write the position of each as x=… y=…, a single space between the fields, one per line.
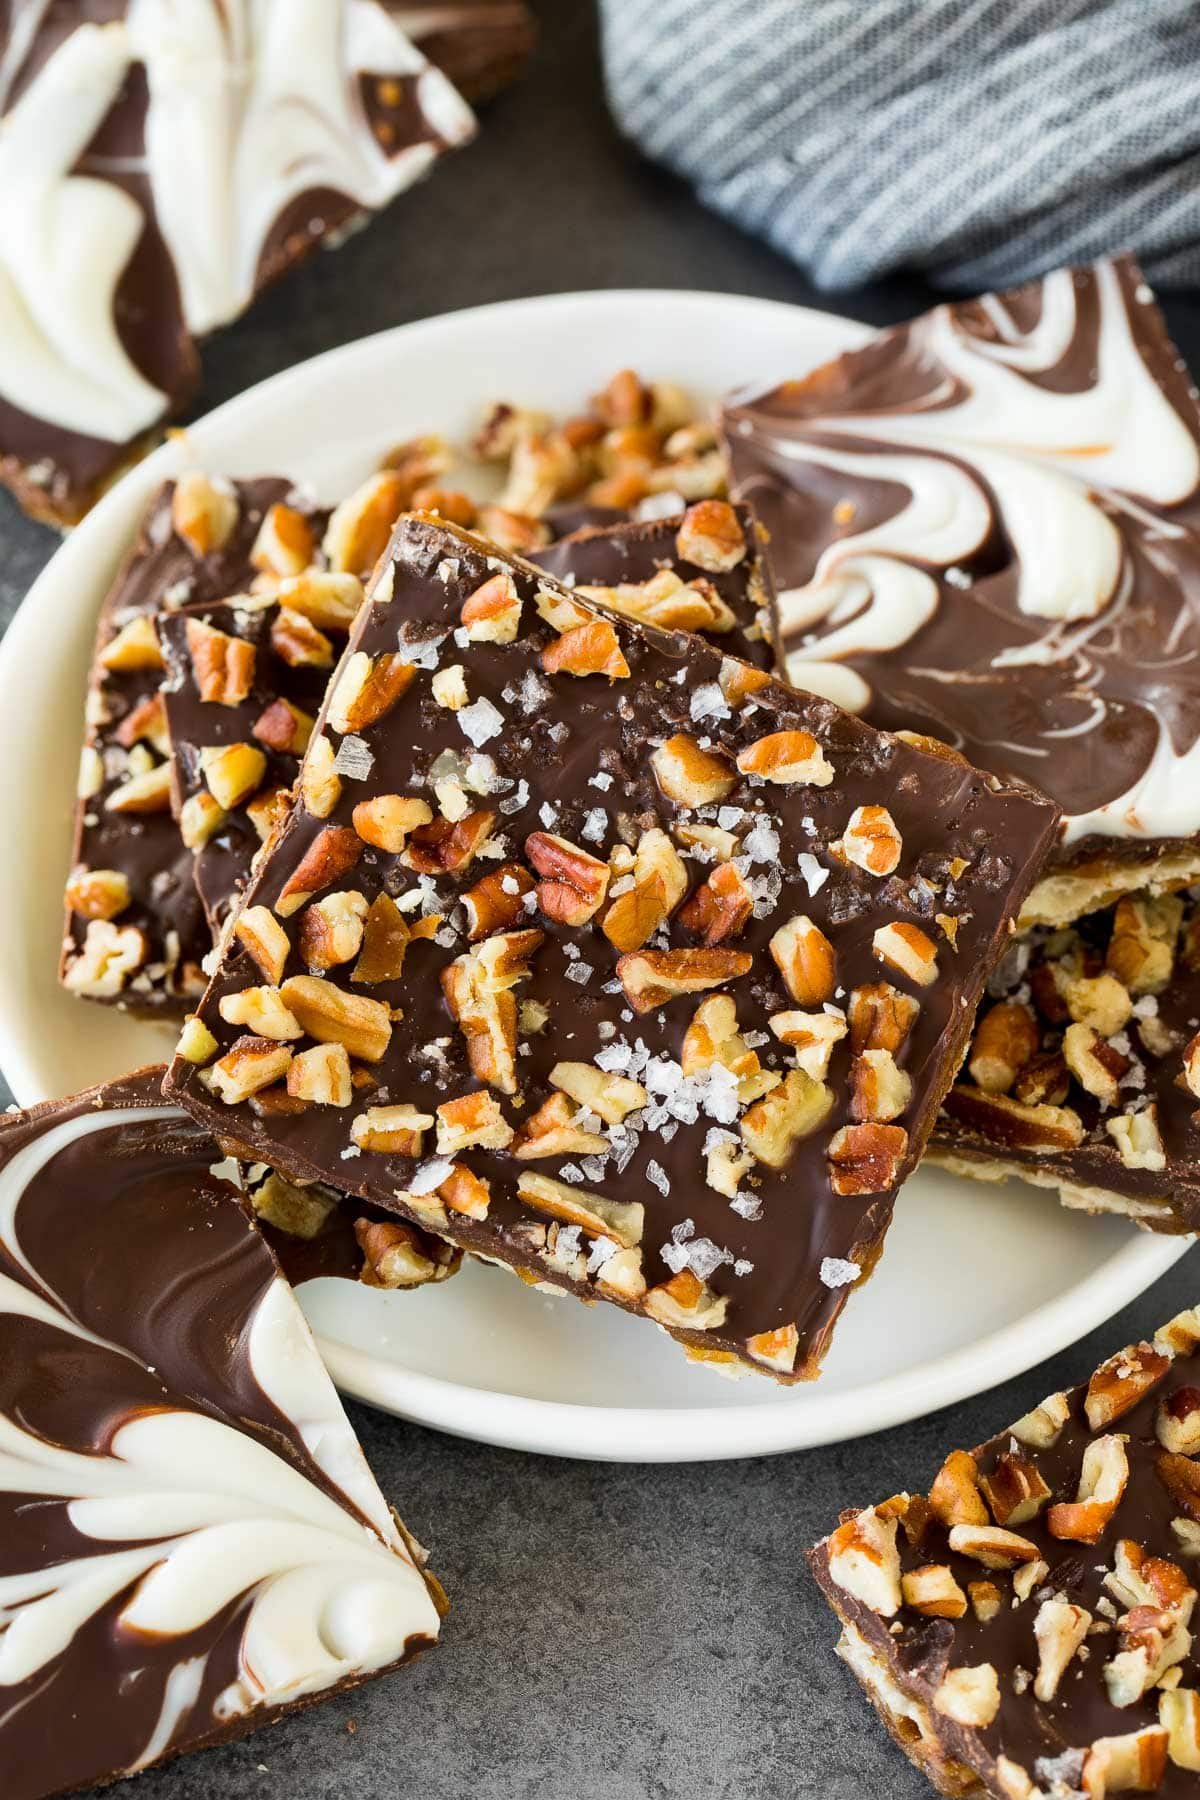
x=542 y=756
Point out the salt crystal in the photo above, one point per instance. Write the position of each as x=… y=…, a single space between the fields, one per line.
x=603 y=1249
x=579 y=972
x=594 y=825
x=708 y=702
x=354 y=759
x=516 y=801
x=658 y=1177
x=815 y=876
x=480 y=721
x=601 y=779
x=761 y=843
x=749 y=1206
x=836 y=1272
x=705 y=1258
x=547 y=814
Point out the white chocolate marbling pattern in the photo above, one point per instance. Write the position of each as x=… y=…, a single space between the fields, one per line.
x=1056 y=468
x=252 y=104
x=323 y=1595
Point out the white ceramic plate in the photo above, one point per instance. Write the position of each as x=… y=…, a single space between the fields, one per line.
x=976 y=1283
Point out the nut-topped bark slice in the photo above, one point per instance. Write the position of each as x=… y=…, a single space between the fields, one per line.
x=162 y=165
x=607 y=957
x=1024 y=1629
x=1084 y=1071
x=193 y=1542
x=985 y=525
x=135 y=929
x=702 y=570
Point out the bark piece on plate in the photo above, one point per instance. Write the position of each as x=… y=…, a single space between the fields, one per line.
x=193 y=1542
x=608 y=957
x=702 y=570
x=1024 y=1630
x=160 y=166
x=985 y=525
x=1084 y=1071
x=135 y=929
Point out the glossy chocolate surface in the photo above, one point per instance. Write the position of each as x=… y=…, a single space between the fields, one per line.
x=603 y=557
x=983 y=526
x=140 y=1388
x=570 y=755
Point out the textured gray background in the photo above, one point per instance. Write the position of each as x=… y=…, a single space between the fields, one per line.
x=616 y=1633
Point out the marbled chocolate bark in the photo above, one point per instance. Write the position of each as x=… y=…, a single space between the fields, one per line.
x=984 y=526
x=192 y=1541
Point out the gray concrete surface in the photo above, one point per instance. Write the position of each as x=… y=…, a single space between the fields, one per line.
x=616 y=1633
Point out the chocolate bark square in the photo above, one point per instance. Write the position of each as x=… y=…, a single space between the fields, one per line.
x=193 y=1542
x=985 y=525
x=607 y=957
x=1084 y=1071
x=135 y=932
x=1023 y=1630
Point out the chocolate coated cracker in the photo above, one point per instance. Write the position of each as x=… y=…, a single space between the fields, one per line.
x=607 y=957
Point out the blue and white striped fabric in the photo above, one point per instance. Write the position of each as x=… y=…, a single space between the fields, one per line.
x=979 y=141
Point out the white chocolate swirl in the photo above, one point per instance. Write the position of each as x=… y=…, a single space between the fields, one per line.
x=253 y=103
x=1068 y=477
x=322 y=1595
x=64 y=241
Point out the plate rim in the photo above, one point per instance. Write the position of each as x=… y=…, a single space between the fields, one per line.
x=517 y=1421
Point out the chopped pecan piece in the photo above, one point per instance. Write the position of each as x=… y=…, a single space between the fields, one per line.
x=871 y=840
x=367 y=688
x=204 y=512
x=1006 y=1040
x=223 y=666
x=908 y=949
x=880 y=1017
x=591 y=649
x=573 y=883
x=1121 y=1382
x=659 y=883
x=773 y=1127
x=651 y=978
x=710 y=536
x=866 y=1159
x=321 y=1076
x=806 y=959
x=720 y=908
x=1102 y=1481
x=787 y=757
x=364 y=1026
x=689 y=775
x=332 y=854
x=622 y=1221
